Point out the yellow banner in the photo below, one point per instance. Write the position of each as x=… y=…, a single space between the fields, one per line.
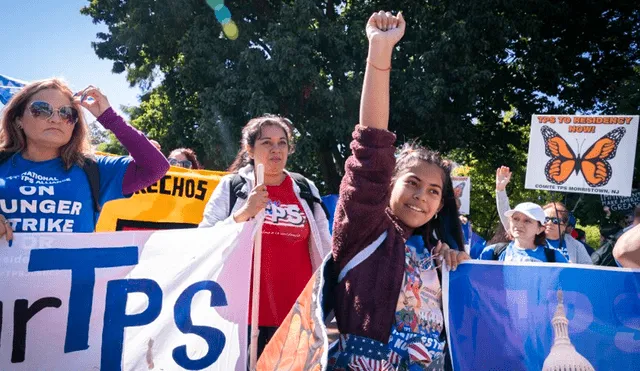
x=175 y=201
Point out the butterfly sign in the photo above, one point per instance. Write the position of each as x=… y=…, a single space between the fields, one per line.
x=462 y=191
x=582 y=154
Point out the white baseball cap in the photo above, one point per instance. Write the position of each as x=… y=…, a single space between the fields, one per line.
x=530 y=209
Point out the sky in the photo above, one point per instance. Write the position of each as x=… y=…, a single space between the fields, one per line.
x=42 y=39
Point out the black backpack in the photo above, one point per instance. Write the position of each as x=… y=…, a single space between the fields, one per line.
x=604 y=255
x=90 y=168
x=237 y=182
x=501 y=246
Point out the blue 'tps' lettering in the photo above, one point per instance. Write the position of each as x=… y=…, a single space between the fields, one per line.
x=116 y=319
x=82 y=263
x=215 y=338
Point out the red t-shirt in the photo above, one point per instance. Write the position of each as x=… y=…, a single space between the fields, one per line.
x=286 y=264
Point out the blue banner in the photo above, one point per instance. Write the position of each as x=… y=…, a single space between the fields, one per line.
x=8 y=87
x=542 y=317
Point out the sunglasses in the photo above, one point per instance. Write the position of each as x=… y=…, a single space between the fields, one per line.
x=186 y=163
x=44 y=110
x=554 y=220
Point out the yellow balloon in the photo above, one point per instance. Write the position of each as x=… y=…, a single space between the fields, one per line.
x=230 y=30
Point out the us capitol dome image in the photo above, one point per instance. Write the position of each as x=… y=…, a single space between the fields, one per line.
x=563 y=355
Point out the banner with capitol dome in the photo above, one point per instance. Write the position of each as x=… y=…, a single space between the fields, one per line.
x=542 y=316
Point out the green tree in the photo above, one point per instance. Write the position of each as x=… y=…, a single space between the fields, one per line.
x=459 y=68
x=97 y=133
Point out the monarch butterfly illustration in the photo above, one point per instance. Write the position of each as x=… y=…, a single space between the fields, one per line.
x=457 y=190
x=593 y=164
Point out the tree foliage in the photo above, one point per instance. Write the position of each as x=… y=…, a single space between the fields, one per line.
x=466 y=78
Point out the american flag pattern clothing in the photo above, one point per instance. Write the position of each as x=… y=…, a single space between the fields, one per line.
x=360 y=353
x=414 y=343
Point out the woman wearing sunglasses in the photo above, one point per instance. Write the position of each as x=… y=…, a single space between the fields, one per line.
x=555 y=222
x=184 y=157
x=44 y=138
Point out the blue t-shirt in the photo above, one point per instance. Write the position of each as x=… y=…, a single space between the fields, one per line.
x=44 y=197
x=517 y=254
x=555 y=244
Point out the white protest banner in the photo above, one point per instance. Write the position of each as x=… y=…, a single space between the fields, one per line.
x=164 y=300
x=582 y=154
x=462 y=191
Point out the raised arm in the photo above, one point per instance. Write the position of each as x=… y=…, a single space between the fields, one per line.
x=149 y=164
x=627 y=248
x=364 y=192
x=503 y=177
x=383 y=31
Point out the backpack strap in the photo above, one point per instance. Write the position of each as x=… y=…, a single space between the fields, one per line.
x=499 y=249
x=550 y=254
x=92 y=171
x=237 y=182
x=306 y=194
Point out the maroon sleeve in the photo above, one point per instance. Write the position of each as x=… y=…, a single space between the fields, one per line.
x=148 y=165
x=360 y=215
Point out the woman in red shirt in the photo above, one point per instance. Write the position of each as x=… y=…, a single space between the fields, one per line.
x=295 y=234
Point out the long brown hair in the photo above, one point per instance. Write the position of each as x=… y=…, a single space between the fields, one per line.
x=13 y=138
x=541 y=238
x=252 y=132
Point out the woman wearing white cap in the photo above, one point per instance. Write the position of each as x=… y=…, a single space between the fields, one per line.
x=555 y=222
x=529 y=243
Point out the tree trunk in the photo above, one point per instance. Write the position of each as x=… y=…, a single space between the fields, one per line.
x=329 y=172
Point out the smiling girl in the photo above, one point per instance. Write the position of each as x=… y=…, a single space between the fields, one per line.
x=388 y=294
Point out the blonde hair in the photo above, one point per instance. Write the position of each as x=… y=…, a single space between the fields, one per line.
x=13 y=138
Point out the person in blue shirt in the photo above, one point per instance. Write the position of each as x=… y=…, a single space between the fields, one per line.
x=555 y=222
x=45 y=150
x=529 y=242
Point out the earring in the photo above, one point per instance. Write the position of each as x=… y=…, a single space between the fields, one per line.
x=436 y=217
